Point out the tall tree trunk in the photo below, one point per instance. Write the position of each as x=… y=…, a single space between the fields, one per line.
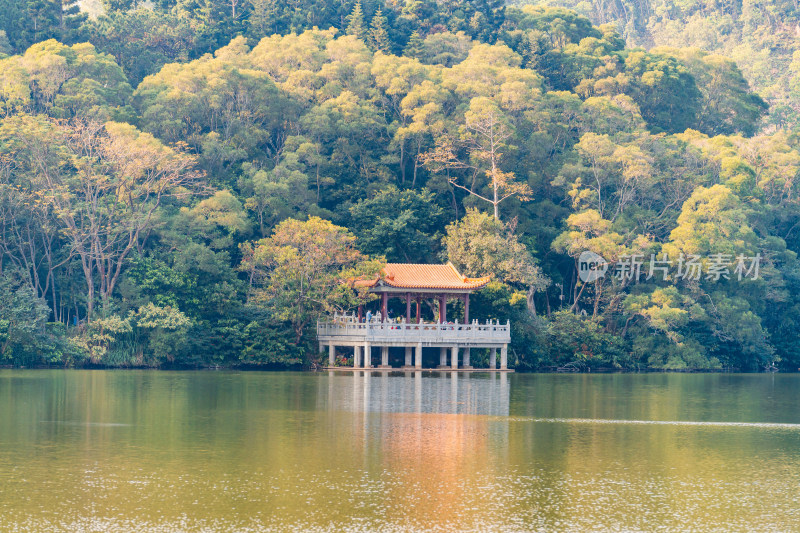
x=529 y=301
x=403 y=162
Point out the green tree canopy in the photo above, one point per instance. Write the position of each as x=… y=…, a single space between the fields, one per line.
x=303 y=268
x=401 y=225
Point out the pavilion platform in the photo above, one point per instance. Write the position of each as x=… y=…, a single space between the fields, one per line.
x=452 y=339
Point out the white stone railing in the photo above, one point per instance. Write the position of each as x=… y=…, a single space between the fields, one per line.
x=347 y=327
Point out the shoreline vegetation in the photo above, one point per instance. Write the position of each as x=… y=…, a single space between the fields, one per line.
x=192 y=184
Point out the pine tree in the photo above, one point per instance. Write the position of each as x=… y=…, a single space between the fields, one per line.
x=70 y=20
x=5 y=44
x=112 y=6
x=13 y=20
x=414 y=46
x=262 y=19
x=42 y=20
x=379 y=35
x=355 y=23
x=487 y=17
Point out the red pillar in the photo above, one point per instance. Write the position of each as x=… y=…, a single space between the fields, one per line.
x=443 y=308
x=466 y=308
x=360 y=312
x=384 y=301
x=408 y=308
x=419 y=308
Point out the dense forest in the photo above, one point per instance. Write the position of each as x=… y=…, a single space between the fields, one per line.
x=761 y=37
x=193 y=183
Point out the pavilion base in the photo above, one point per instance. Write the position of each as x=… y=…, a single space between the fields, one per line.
x=451 y=340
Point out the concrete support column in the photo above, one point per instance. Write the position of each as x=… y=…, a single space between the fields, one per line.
x=493 y=358
x=454 y=357
x=408 y=356
x=367 y=360
x=466 y=364
x=331 y=354
x=418 y=355
x=356 y=356
x=504 y=357
x=321 y=347
x=384 y=356
x=442 y=357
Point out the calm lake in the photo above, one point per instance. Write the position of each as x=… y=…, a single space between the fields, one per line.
x=245 y=451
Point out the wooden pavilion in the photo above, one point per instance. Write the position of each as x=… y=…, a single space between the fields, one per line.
x=413 y=283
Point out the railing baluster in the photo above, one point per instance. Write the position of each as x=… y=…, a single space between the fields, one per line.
x=490 y=331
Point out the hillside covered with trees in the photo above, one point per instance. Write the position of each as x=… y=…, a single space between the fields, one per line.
x=761 y=37
x=190 y=183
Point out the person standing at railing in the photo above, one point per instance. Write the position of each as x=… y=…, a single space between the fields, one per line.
x=369 y=316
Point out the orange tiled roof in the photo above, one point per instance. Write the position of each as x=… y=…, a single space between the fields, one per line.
x=418 y=276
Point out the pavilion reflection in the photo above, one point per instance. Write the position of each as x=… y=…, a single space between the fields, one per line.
x=419 y=392
x=432 y=431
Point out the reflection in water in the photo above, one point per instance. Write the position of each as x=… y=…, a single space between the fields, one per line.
x=418 y=392
x=431 y=433
x=226 y=451
x=603 y=421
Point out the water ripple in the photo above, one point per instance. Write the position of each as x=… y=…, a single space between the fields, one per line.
x=758 y=425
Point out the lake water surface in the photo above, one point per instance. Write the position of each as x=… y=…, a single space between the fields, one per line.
x=243 y=451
